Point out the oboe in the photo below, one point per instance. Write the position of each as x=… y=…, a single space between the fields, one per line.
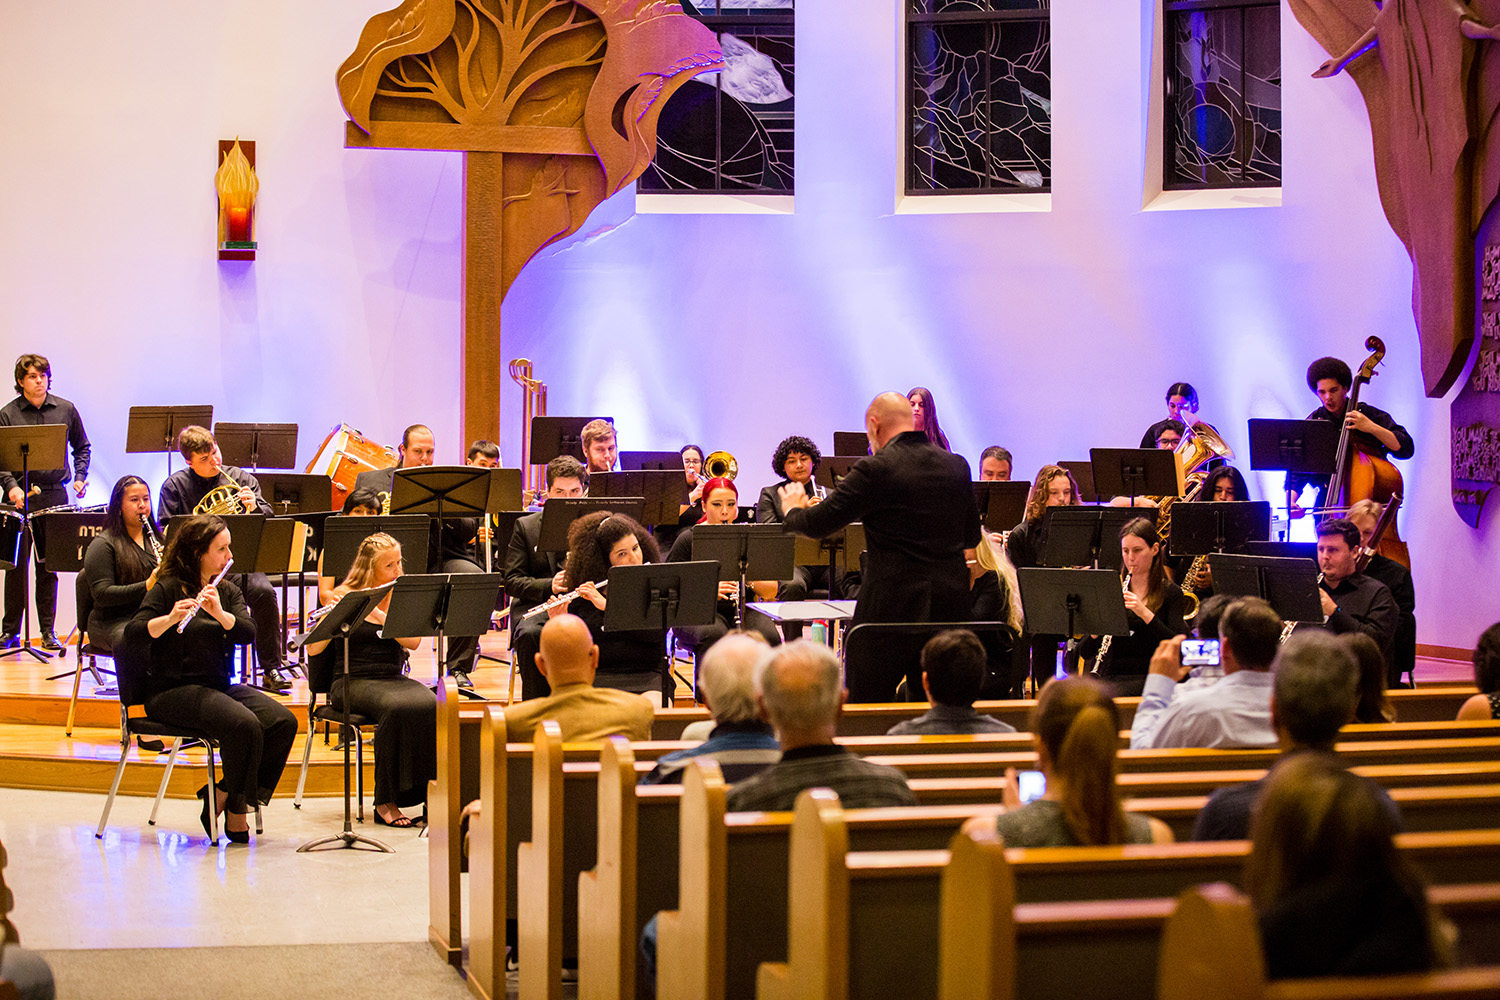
x=560 y=599
x=198 y=601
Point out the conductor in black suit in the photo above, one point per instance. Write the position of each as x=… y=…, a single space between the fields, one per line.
x=921 y=524
x=533 y=576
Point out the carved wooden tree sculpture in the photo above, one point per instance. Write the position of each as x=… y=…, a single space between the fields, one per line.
x=554 y=104
x=1432 y=86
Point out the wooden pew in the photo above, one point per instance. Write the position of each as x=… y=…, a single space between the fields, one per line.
x=488 y=873
x=1211 y=947
x=444 y=843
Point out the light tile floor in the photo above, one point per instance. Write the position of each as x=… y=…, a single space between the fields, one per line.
x=163 y=886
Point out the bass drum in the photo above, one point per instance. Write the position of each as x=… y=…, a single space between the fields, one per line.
x=343 y=455
x=12 y=527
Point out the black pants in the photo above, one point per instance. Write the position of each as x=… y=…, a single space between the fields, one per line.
x=405 y=733
x=462 y=650
x=46 y=583
x=525 y=640
x=254 y=733
x=265 y=611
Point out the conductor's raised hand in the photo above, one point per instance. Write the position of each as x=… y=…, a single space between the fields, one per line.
x=793 y=496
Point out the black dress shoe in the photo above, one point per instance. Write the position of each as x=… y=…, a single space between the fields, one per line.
x=49 y=640
x=206 y=817
x=9 y=640
x=461 y=677
x=273 y=681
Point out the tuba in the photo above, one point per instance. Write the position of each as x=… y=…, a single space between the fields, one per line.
x=385 y=500
x=221 y=500
x=720 y=465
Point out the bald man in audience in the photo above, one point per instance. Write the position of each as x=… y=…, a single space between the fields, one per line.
x=1314 y=695
x=741 y=741
x=568 y=659
x=916 y=502
x=801 y=696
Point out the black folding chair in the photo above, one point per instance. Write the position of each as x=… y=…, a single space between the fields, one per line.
x=84 y=599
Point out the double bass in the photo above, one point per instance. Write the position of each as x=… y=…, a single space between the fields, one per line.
x=1361 y=473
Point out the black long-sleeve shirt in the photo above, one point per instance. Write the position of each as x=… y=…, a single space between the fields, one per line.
x=54 y=410
x=185 y=488
x=115 y=601
x=528 y=570
x=1297 y=481
x=202 y=652
x=1365 y=605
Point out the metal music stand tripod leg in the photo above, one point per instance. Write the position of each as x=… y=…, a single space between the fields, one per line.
x=27 y=569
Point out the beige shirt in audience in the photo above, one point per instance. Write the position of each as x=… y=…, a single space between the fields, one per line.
x=584 y=713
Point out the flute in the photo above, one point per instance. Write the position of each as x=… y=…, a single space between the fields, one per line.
x=553 y=602
x=198 y=601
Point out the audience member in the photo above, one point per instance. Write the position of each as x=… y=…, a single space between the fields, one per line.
x=1076 y=726
x=1485 y=704
x=1333 y=895
x=1235 y=711
x=567 y=658
x=24 y=969
x=741 y=741
x=801 y=694
x=954 y=665
x=1372 y=705
x=1314 y=695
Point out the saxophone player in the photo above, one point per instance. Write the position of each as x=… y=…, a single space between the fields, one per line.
x=225 y=489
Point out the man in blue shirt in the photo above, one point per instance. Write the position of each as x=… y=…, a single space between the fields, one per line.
x=1233 y=713
x=954 y=664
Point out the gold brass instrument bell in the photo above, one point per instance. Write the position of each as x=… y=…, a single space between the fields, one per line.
x=221 y=500
x=720 y=465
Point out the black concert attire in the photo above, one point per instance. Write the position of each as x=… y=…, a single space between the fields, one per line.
x=917 y=505
x=54 y=493
x=405 y=711
x=628 y=661
x=180 y=494
x=1297 y=481
x=115 y=601
x=528 y=583
x=1397 y=579
x=806 y=580
x=1129 y=659
x=990 y=602
x=699 y=637
x=1365 y=605
x=449 y=550
x=189 y=683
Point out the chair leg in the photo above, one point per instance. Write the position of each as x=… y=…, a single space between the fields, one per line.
x=510 y=687
x=119 y=773
x=306 y=755
x=213 y=790
x=73 y=700
x=357 y=736
x=166 y=777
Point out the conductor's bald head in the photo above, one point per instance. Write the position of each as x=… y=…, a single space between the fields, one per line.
x=889 y=414
x=567 y=654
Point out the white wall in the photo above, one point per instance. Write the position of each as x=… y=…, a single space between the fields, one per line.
x=1047 y=332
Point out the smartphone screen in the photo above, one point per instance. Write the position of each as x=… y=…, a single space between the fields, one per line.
x=1032 y=784
x=1200 y=652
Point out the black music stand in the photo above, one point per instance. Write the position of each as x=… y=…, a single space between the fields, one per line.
x=554 y=436
x=343 y=533
x=1001 y=504
x=845 y=443
x=636 y=461
x=440 y=604
x=337 y=624
x=745 y=552
x=296 y=492
x=665 y=596
x=43 y=448
x=559 y=513
x=843 y=546
x=1309 y=447
x=65 y=534
x=832 y=470
x=1218 y=526
x=1072 y=602
x=1085 y=536
x=664 y=491
x=155 y=428
x=251 y=446
x=1135 y=472
x=1290 y=586
x=1083 y=475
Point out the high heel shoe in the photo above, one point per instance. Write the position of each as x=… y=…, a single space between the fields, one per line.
x=207 y=817
x=236 y=836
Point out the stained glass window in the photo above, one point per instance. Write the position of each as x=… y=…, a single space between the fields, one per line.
x=979 y=86
x=1223 y=94
x=731 y=132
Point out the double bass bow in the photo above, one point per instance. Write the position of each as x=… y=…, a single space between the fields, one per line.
x=1362 y=473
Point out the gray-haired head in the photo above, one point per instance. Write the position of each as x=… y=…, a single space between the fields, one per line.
x=801 y=687
x=727 y=676
x=1315 y=688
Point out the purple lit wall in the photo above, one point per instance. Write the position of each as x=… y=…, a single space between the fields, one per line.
x=1047 y=332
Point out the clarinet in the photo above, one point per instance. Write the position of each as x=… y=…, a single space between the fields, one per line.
x=156 y=549
x=1108 y=640
x=198 y=601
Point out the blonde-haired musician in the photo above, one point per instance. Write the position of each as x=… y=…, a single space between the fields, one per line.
x=184 y=490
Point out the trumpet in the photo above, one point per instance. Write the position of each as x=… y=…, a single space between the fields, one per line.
x=198 y=601
x=559 y=600
x=1108 y=640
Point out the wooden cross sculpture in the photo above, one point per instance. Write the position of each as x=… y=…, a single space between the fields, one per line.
x=554 y=104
